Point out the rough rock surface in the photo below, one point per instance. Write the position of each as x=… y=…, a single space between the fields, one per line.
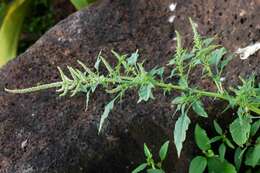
x=42 y=133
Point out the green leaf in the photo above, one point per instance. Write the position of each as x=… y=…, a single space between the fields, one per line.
x=163 y=151
x=11 y=28
x=140 y=168
x=79 y=4
x=208 y=41
x=254 y=128
x=157 y=71
x=180 y=129
x=97 y=63
x=228 y=143
x=198 y=165
x=240 y=130
x=104 y=116
x=238 y=157
x=222 y=152
x=253 y=156
x=197 y=106
x=217 y=128
x=145 y=92
x=201 y=138
x=226 y=61
x=216 y=56
x=215 y=165
x=179 y=100
x=133 y=58
x=155 y=171
x=147 y=152
x=215 y=139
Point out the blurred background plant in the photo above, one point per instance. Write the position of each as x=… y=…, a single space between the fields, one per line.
x=24 y=21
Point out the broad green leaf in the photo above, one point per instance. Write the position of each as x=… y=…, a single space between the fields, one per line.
x=79 y=4
x=240 y=130
x=216 y=56
x=133 y=58
x=180 y=130
x=140 y=168
x=11 y=28
x=217 y=128
x=3 y=8
x=197 y=106
x=155 y=171
x=163 y=151
x=215 y=165
x=222 y=152
x=238 y=157
x=253 y=156
x=104 y=116
x=254 y=128
x=198 y=165
x=202 y=139
x=145 y=92
x=147 y=152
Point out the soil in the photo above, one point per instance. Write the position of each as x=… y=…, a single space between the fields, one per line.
x=41 y=132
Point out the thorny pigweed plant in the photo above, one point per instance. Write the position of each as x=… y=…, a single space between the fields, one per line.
x=150 y=164
x=128 y=74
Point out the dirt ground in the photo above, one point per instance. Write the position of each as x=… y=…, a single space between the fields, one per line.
x=61 y=137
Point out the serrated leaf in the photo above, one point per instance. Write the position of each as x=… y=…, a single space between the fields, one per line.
x=215 y=165
x=180 y=130
x=202 y=139
x=163 y=151
x=217 y=128
x=254 y=128
x=140 y=168
x=145 y=92
x=222 y=152
x=147 y=152
x=253 y=156
x=240 y=130
x=104 y=116
x=133 y=58
x=198 y=165
x=197 y=106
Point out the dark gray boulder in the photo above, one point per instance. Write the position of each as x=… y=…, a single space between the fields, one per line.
x=41 y=132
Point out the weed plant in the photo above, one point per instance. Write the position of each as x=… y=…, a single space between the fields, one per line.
x=130 y=74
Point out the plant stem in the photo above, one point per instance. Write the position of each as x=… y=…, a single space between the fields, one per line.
x=36 y=88
x=126 y=79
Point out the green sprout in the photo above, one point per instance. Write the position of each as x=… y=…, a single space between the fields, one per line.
x=150 y=164
x=130 y=74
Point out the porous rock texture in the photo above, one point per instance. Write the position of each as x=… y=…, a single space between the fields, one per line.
x=41 y=132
